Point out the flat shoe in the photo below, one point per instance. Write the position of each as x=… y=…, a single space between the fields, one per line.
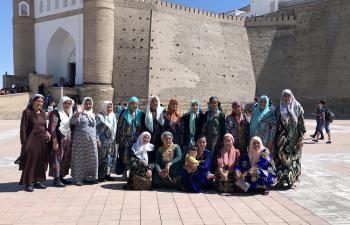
x=79 y=183
x=39 y=185
x=64 y=181
x=58 y=183
x=328 y=142
x=29 y=188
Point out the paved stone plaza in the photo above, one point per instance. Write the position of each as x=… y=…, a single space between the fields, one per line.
x=322 y=197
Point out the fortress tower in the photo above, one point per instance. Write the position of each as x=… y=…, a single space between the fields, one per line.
x=98 y=50
x=23 y=37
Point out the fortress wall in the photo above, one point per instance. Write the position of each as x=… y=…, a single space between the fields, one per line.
x=195 y=56
x=310 y=57
x=131 y=49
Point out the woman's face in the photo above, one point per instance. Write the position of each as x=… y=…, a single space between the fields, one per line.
x=146 y=139
x=228 y=142
x=262 y=104
x=109 y=108
x=202 y=143
x=154 y=104
x=88 y=105
x=214 y=104
x=256 y=145
x=286 y=97
x=66 y=105
x=38 y=104
x=133 y=106
x=173 y=106
x=167 y=140
x=195 y=107
x=236 y=109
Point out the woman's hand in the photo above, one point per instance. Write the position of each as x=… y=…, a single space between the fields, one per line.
x=149 y=173
x=98 y=143
x=270 y=145
x=48 y=135
x=300 y=144
x=238 y=174
x=167 y=166
x=55 y=144
x=164 y=173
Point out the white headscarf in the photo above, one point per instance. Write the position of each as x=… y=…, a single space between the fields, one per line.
x=140 y=150
x=254 y=155
x=64 y=124
x=149 y=117
x=293 y=107
x=90 y=112
x=109 y=119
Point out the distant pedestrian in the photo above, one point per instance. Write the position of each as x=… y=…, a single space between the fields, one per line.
x=323 y=122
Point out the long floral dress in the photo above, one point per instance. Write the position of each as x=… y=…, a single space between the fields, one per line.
x=287 y=155
x=197 y=181
x=107 y=155
x=84 y=163
x=261 y=175
x=61 y=158
x=126 y=136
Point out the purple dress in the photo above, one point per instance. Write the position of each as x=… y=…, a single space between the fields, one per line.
x=197 y=181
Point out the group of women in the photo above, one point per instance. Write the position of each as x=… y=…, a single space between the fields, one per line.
x=163 y=148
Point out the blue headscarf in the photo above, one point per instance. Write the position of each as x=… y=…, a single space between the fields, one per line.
x=258 y=114
x=138 y=113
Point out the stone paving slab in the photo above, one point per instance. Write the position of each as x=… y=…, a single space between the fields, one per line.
x=322 y=197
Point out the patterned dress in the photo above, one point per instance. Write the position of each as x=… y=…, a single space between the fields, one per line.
x=266 y=128
x=107 y=154
x=60 y=159
x=240 y=132
x=263 y=174
x=126 y=136
x=197 y=181
x=287 y=155
x=84 y=163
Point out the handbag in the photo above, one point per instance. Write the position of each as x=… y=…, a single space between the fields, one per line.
x=242 y=184
x=141 y=183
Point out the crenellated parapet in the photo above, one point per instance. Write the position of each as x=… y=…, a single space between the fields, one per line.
x=270 y=20
x=186 y=9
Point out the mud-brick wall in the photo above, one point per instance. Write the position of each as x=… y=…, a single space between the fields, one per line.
x=131 y=50
x=193 y=55
x=311 y=57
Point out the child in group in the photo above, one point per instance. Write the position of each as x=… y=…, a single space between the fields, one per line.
x=190 y=159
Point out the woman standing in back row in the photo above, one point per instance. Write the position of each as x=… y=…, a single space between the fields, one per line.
x=289 y=139
x=33 y=133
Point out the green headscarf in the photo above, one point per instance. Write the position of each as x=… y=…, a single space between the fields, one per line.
x=138 y=113
x=258 y=114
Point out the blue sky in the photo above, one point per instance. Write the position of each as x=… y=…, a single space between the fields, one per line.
x=6 y=57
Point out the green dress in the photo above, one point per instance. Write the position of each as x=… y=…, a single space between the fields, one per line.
x=163 y=156
x=287 y=154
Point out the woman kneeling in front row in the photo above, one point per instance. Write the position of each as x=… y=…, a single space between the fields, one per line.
x=257 y=168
